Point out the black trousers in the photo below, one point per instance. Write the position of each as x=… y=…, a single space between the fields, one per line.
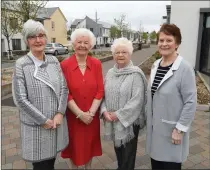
x=126 y=155
x=165 y=165
x=44 y=165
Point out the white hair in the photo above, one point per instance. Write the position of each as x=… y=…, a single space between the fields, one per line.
x=83 y=32
x=122 y=42
x=31 y=28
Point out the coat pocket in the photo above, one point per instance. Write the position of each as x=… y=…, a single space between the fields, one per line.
x=169 y=122
x=166 y=127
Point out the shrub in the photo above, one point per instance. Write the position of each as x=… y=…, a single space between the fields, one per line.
x=60 y=58
x=90 y=53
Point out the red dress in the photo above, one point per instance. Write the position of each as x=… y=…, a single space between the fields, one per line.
x=84 y=140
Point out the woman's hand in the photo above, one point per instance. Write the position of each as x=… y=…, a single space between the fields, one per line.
x=48 y=124
x=107 y=116
x=176 y=137
x=113 y=116
x=86 y=118
x=57 y=120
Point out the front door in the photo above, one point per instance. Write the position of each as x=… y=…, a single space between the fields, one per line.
x=205 y=46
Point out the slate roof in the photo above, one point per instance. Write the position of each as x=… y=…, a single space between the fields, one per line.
x=76 y=21
x=46 y=12
x=104 y=24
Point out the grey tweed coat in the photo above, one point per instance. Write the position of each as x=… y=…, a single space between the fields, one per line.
x=39 y=95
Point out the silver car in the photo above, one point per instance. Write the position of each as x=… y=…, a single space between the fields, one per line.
x=55 y=49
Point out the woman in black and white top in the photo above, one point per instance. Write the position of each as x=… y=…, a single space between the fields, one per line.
x=161 y=72
x=171 y=103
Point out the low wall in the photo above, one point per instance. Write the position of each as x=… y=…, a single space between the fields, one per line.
x=16 y=53
x=7 y=88
x=205 y=79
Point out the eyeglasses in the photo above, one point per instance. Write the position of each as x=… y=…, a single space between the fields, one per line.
x=34 y=37
x=123 y=53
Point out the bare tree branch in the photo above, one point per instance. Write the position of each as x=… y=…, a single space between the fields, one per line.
x=121 y=24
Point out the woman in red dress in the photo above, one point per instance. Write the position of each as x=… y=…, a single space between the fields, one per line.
x=84 y=78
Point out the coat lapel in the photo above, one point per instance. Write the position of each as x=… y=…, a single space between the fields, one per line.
x=167 y=76
x=40 y=72
x=42 y=75
x=170 y=73
x=154 y=70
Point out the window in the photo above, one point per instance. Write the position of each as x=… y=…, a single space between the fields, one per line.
x=57 y=45
x=205 y=46
x=91 y=29
x=53 y=25
x=13 y=22
x=16 y=44
x=48 y=45
x=53 y=40
x=208 y=22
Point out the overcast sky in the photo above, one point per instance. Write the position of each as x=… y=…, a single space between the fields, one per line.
x=148 y=13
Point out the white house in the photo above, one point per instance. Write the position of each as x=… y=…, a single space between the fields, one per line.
x=193 y=19
x=16 y=43
x=100 y=29
x=105 y=32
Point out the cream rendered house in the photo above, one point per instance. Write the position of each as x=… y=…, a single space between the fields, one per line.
x=55 y=24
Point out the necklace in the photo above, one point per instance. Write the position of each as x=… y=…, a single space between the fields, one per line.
x=82 y=66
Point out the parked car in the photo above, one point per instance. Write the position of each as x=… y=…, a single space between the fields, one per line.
x=55 y=49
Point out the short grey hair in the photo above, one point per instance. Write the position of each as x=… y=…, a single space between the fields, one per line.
x=31 y=28
x=83 y=32
x=122 y=42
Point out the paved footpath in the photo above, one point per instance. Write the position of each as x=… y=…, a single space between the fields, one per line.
x=199 y=139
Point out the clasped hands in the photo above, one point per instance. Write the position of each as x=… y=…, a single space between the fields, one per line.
x=53 y=124
x=110 y=116
x=86 y=117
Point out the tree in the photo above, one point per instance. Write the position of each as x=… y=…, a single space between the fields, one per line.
x=140 y=32
x=9 y=24
x=27 y=9
x=114 y=32
x=121 y=24
x=145 y=36
x=153 y=36
x=69 y=34
x=69 y=31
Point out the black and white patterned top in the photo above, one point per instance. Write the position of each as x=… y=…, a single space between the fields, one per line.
x=161 y=72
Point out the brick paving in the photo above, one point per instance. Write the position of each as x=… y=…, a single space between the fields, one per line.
x=198 y=157
x=199 y=138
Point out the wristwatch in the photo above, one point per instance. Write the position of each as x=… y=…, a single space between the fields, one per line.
x=179 y=131
x=91 y=113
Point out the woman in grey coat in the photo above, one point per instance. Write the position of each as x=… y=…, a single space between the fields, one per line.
x=40 y=93
x=171 y=103
x=123 y=107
